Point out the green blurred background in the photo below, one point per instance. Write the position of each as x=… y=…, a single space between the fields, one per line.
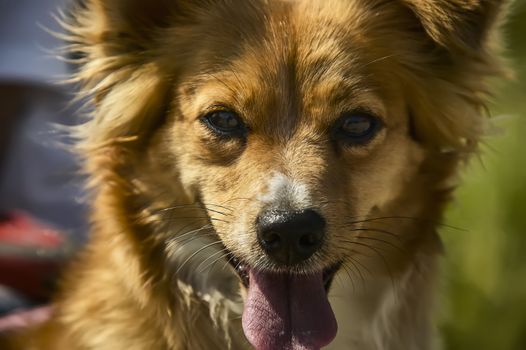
x=484 y=298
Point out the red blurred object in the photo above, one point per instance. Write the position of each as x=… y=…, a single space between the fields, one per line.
x=31 y=255
x=25 y=318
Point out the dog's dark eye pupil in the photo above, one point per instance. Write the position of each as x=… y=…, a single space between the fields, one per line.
x=224 y=120
x=356 y=127
x=225 y=123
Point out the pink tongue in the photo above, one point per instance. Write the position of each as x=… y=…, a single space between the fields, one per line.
x=289 y=312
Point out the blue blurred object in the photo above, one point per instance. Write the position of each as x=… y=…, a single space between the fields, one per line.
x=24 y=42
x=39 y=175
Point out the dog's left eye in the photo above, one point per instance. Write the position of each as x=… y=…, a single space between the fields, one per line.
x=356 y=127
x=225 y=123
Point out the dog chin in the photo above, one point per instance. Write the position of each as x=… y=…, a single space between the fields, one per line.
x=286 y=310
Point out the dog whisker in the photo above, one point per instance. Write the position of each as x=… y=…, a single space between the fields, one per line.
x=417 y=219
x=195 y=253
x=188 y=236
x=391 y=244
x=172 y=219
x=366 y=218
x=356 y=266
x=218 y=212
x=379 y=254
x=380 y=247
x=223 y=255
x=357 y=261
x=338 y=278
x=198 y=206
x=180 y=244
x=376 y=230
x=228 y=261
x=179 y=235
x=349 y=273
x=212 y=264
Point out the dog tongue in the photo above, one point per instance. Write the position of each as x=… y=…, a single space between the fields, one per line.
x=289 y=312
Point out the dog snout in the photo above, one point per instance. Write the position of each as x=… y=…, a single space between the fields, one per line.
x=290 y=237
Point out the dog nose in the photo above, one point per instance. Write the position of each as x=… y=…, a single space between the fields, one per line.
x=290 y=237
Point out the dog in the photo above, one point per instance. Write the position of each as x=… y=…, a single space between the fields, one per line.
x=269 y=174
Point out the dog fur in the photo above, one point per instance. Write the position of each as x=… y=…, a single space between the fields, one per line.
x=169 y=196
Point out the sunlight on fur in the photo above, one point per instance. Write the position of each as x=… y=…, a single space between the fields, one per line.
x=269 y=173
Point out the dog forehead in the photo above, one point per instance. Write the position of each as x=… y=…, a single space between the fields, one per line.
x=271 y=37
x=302 y=64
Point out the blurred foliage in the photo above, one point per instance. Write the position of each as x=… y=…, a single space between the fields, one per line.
x=484 y=306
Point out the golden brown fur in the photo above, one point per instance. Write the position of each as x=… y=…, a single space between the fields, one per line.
x=290 y=68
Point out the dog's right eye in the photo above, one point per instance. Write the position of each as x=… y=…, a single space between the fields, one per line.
x=225 y=123
x=356 y=128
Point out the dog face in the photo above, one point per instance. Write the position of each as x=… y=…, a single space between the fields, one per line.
x=314 y=135
x=292 y=124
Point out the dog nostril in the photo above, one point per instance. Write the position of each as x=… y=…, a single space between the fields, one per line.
x=272 y=240
x=308 y=240
x=290 y=237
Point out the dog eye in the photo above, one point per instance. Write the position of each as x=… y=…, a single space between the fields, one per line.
x=356 y=128
x=225 y=123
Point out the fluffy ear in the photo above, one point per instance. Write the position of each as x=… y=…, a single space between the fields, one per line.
x=115 y=43
x=120 y=26
x=448 y=104
x=459 y=24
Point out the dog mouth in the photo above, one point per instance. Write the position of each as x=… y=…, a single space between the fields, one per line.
x=286 y=310
x=242 y=271
x=240 y=268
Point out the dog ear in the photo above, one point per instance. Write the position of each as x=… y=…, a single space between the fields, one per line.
x=122 y=26
x=459 y=24
x=449 y=96
x=115 y=43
